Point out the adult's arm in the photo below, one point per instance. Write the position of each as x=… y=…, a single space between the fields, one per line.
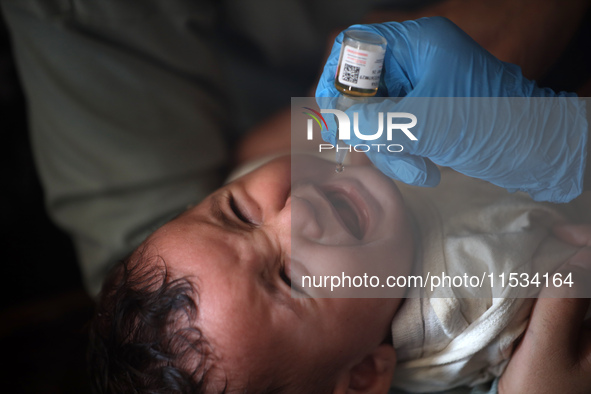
x=554 y=355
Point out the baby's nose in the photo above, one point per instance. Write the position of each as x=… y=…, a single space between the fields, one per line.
x=278 y=225
x=303 y=218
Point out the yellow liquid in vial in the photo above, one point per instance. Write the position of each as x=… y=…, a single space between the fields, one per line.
x=350 y=90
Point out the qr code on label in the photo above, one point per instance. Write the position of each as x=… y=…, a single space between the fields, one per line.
x=350 y=73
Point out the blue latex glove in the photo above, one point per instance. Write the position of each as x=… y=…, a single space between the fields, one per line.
x=432 y=57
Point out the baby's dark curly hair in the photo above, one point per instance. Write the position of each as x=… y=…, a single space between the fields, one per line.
x=143 y=338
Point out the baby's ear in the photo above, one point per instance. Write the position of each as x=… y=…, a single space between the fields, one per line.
x=373 y=375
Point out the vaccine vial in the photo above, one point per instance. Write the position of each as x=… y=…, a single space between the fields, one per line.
x=360 y=63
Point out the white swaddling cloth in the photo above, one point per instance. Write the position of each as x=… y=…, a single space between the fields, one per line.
x=452 y=337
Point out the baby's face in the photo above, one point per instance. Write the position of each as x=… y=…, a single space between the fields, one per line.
x=237 y=248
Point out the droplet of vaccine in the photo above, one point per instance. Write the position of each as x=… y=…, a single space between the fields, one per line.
x=339 y=168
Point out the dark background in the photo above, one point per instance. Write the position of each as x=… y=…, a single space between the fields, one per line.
x=43 y=306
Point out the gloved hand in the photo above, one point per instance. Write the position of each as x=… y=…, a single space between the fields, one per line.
x=432 y=57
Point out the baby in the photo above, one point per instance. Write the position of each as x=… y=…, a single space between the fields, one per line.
x=205 y=303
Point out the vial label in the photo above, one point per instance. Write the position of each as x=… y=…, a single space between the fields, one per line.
x=360 y=68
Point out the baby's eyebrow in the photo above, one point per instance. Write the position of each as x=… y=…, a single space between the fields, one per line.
x=216 y=208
